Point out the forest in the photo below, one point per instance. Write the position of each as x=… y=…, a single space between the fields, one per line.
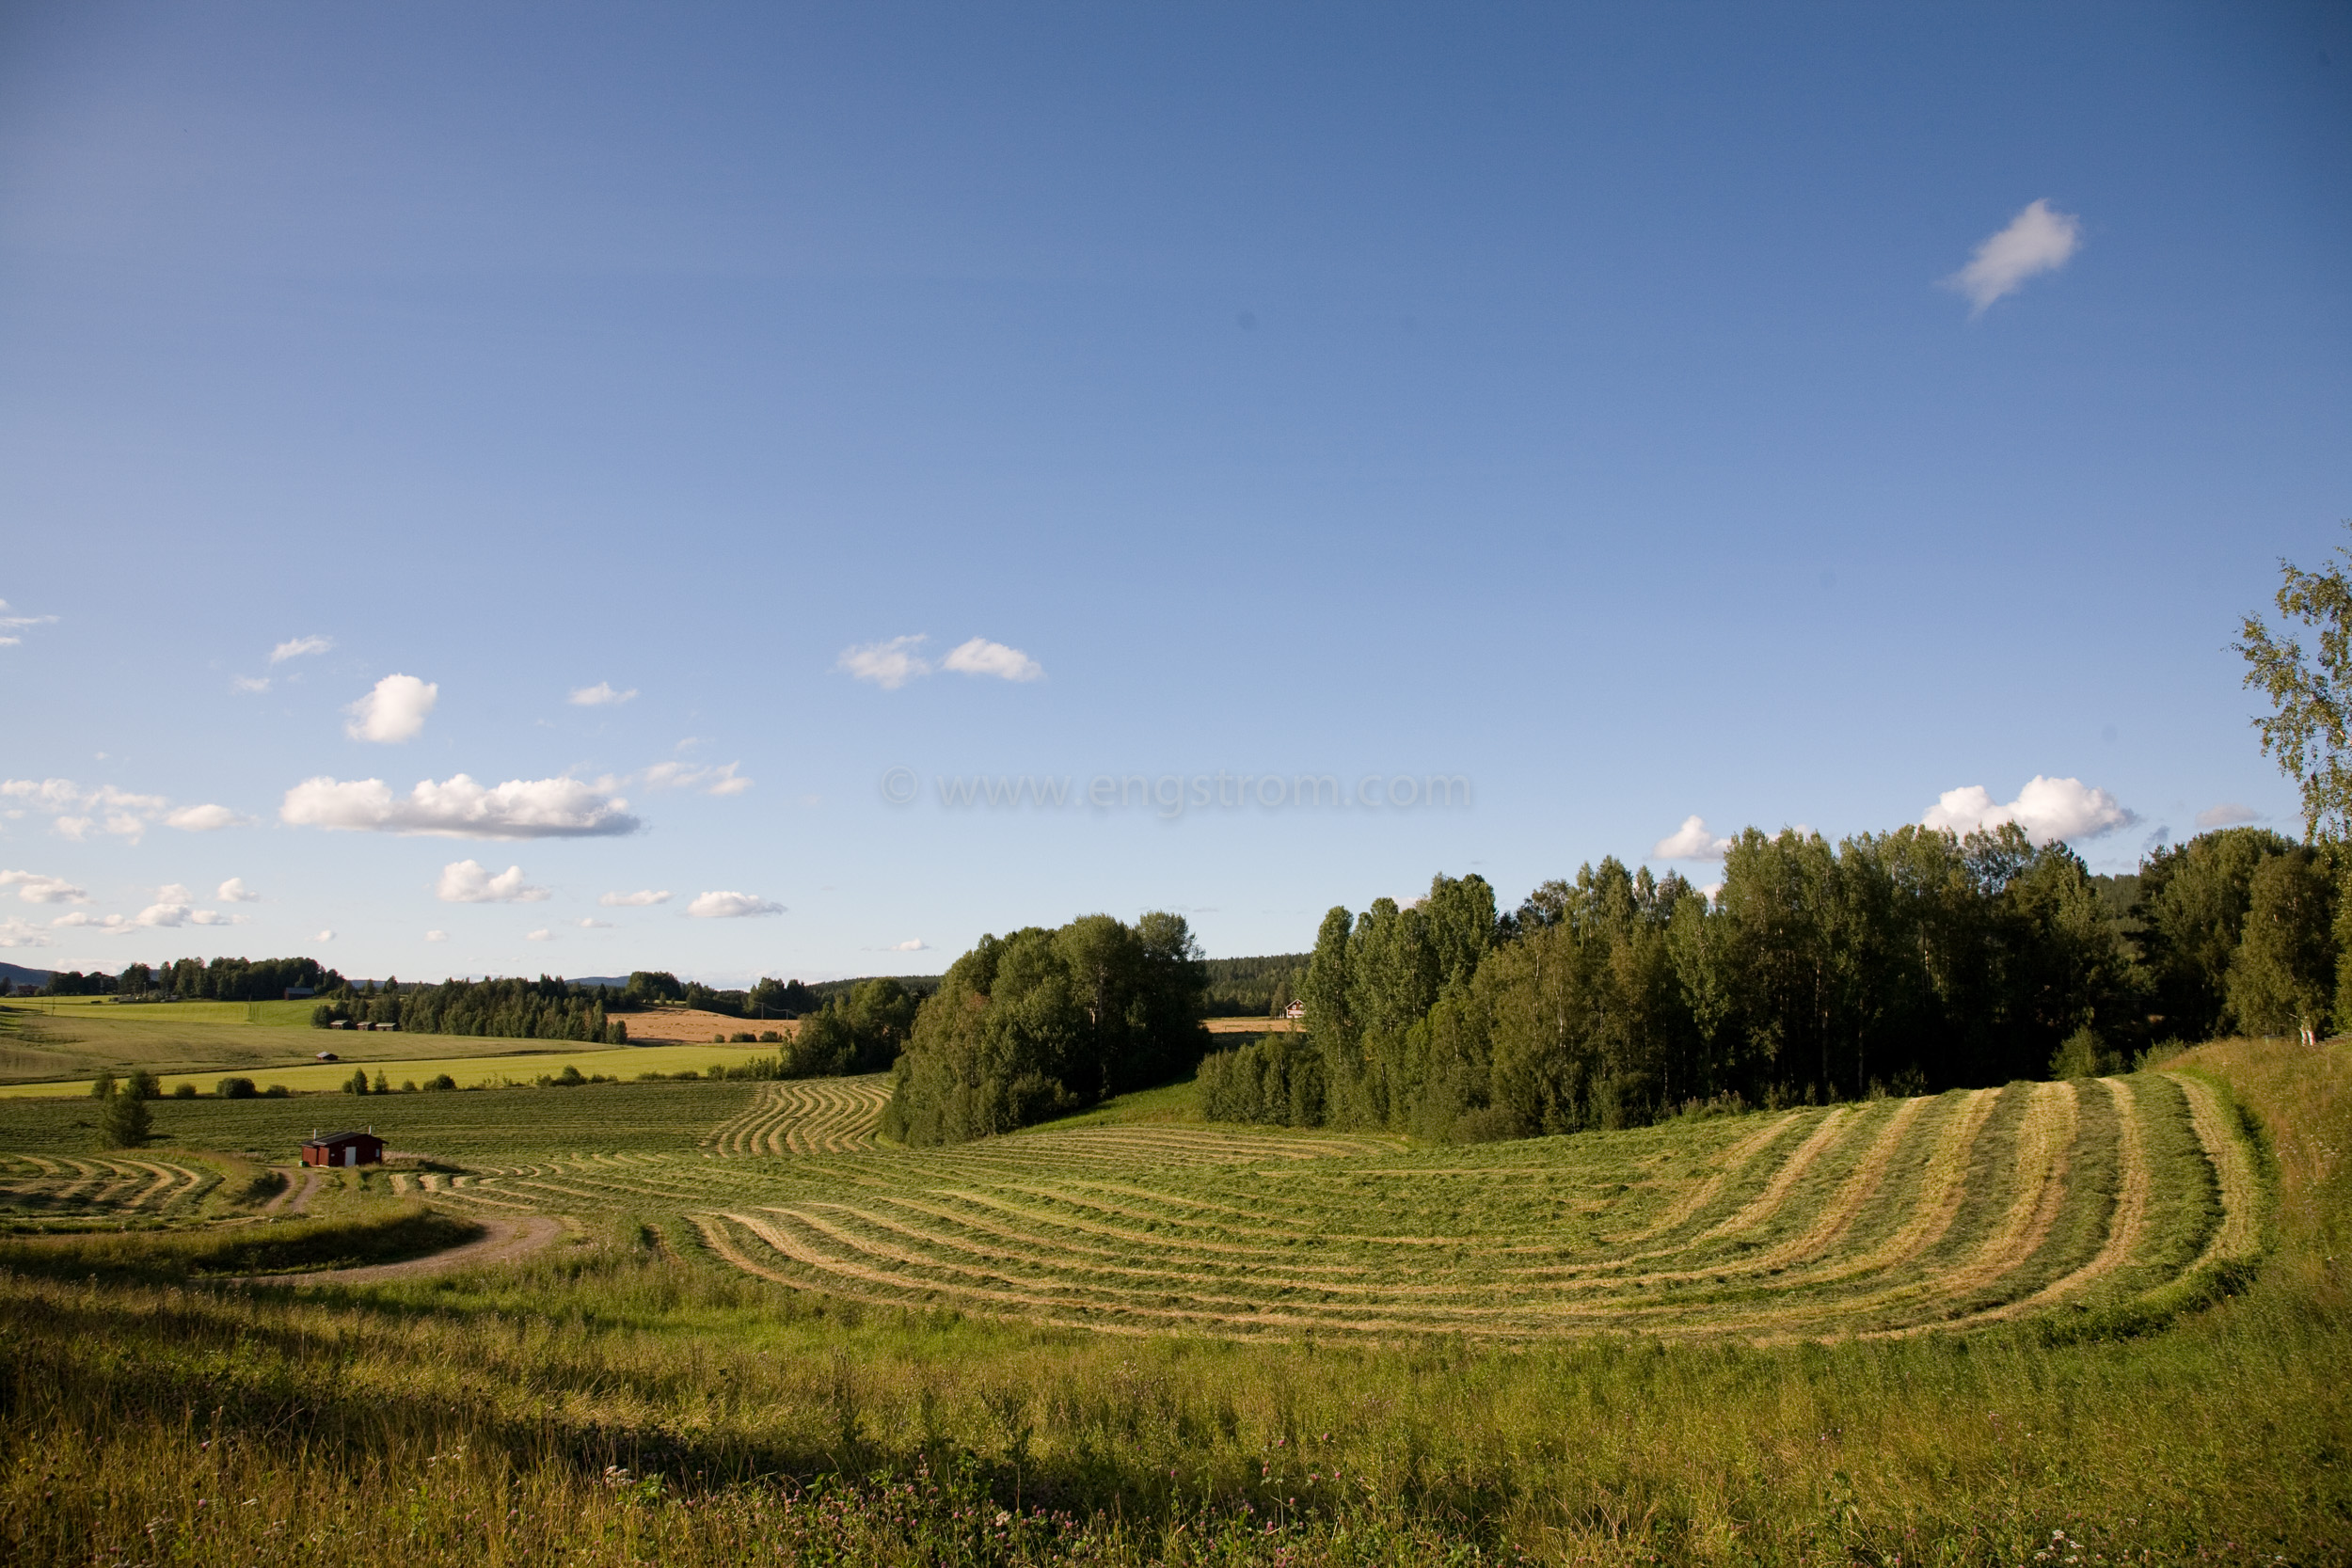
x=1903 y=962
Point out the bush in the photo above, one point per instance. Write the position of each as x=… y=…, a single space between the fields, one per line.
x=141 y=1084
x=184 y=1090
x=275 y=1091
x=440 y=1083
x=233 y=1088
x=357 y=1082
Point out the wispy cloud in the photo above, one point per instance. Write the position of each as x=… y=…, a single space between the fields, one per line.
x=600 y=695
x=2038 y=240
x=248 y=683
x=437 y=935
x=979 y=657
x=722 y=780
x=730 y=905
x=2049 y=809
x=11 y=624
x=520 y=808
x=637 y=900
x=889 y=665
x=1690 y=842
x=233 y=891
x=2226 y=814
x=78 y=813
x=590 y=923
x=394 y=711
x=542 y=934
x=296 y=647
x=206 y=819
x=21 y=933
x=470 y=881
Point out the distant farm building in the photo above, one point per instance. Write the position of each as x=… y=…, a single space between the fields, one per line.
x=1296 y=1009
x=344 y=1149
x=299 y=994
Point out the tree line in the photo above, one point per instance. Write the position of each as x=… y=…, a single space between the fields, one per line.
x=541 y=1009
x=197 y=979
x=1908 y=962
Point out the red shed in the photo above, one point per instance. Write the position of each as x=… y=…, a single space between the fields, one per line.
x=344 y=1149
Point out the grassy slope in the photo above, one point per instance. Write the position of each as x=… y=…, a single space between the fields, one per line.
x=470 y=1420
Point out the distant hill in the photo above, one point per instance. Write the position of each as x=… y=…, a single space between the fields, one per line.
x=17 y=974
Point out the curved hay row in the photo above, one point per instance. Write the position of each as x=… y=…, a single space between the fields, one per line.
x=808 y=1115
x=2238 y=1238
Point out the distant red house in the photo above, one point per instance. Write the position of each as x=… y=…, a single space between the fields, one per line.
x=344 y=1149
x=1296 y=1009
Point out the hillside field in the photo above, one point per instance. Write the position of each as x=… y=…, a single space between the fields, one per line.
x=1931 y=1329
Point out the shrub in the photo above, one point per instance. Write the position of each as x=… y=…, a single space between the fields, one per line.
x=233 y=1088
x=440 y=1082
x=184 y=1090
x=275 y=1091
x=141 y=1084
x=357 y=1082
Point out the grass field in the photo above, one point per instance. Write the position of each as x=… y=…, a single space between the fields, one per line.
x=1921 y=1330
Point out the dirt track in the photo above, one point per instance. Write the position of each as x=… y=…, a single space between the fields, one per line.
x=507 y=1241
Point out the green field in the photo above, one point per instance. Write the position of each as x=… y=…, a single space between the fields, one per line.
x=45 y=1053
x=1931 y=1330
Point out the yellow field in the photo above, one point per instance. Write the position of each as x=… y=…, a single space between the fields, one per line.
x=526 y=1062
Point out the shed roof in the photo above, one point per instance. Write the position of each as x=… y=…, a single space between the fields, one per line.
x=325 y=1139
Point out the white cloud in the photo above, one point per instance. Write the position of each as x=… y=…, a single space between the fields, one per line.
x=233 y=891
x=2048 y=810
x=19 y=933
x=205 y=819
x=542 y=934
x=637 y=900
x=981 y=657
x=248 y=683
x=535 y=808
x=471 y=883
x=437 y=935
x=394 y=711
x=730 y=905
x=600 y=695
x=324 y=936
x=296 y=647
x=912 y=945
x=1690 y=842
x=889 y=665
x=590 y=923
x=77 y=921
x=686 y=775
x=11 y=624
x=82 y=812
x=34 y=888
x=2226 y=814
x=2039 y=239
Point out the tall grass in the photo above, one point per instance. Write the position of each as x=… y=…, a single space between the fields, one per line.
x=619 y=1403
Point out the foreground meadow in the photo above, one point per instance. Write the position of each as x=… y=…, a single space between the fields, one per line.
x=763 y=1338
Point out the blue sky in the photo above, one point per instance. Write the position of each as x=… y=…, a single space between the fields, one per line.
x=1585 y=404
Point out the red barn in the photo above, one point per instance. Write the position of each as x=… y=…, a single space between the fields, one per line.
x=344 y=1149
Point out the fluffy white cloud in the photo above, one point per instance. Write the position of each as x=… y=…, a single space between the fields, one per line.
x=2039 y=239
x=889 y=665
x=2047 y=809
x=730 y=905
x=296 y=647
x=78 y=921
x=542 y=934
x=2226 y=814
x=600 y=695
x=534 y=808
x=437 y=935
x=34 y=888
x=471 y=883
x=206 y=819
x=688 y=775
x=1690 y=842
x=979 y=657
x=233 y=891
x=324 y=936
x=912 y=945
x=637 y=900
x=394 y=711
x=19 y=933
